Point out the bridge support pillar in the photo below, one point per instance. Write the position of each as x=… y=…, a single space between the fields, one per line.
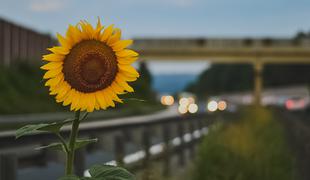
x=80 y=162
x=119 y=148
x=258 y=82
x=181 y=133
x=8 y=166
x=167 y=151
x=146 y=142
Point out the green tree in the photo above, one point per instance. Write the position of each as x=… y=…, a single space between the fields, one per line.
x=226 y=78
x=223 y=78
x=143 y=86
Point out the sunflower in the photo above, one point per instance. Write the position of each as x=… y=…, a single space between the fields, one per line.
x=90 y=68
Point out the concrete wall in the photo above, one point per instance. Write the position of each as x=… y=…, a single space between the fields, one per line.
x=18 y=43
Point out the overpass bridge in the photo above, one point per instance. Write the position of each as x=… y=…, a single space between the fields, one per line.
x=216 y=50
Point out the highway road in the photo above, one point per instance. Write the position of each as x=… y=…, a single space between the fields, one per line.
x=270 y=96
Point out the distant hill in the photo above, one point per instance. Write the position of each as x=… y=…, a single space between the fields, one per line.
x=172 y=83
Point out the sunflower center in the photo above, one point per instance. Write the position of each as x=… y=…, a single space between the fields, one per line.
x=90 y=66
x=93 y=69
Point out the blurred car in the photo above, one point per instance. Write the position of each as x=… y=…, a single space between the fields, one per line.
x=296 y=103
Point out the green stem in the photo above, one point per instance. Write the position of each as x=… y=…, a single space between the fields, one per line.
x=62 y=140
x=72 y=140
x=84 y=116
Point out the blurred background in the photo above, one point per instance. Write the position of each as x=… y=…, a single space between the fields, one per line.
x=223 y=93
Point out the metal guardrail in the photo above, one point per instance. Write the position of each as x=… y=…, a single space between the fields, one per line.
x=187 y=129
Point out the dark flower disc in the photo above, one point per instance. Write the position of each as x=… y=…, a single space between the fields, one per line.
x=90 y=66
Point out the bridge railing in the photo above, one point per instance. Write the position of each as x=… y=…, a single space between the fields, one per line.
x=156 y=138
x=214 y=43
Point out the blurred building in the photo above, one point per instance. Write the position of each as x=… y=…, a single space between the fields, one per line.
x=18 y=43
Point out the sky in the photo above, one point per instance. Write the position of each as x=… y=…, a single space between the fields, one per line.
x=167 y=18
x=192 y=67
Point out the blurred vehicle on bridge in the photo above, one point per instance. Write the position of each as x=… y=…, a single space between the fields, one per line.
x=297 y=103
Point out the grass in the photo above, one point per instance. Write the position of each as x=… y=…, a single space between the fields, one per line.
x=253 y=147
x=23 y=91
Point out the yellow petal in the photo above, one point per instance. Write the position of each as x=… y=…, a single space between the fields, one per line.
x=52 y=92
x=63 y=90
x=73 y=33
x=53 y=57
x=107 y=33
x=108 y=99
x=88 y=29
x=127 y=60
x=52 y=65
x=83 y=101
x=115 y=37
x=98 y=30
x=59 y=50
x=69 y=97
x=124 y=84
x=91 y=102
x=117 y=88
x=63 y=41
x=54 y=81
x=97 y=106
x=113 y=95
x=126 y=53
x=101 y=100
x=99 y=26
x=54 y=89
x=52 y=73
x=120 y=45
x=75 y=101
x=128 y=69
x=83 y=33
x=73 y=108
x=69 y=35
x=127 y=78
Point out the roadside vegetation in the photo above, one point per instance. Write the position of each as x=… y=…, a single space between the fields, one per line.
x=253 y=147
x=23 y=91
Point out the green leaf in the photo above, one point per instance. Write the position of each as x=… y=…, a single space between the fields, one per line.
x=134 y=99
x=40 y=128
x=55 y=126
x=84 y=142
x=60 y=147
x=69 y=177
x=29 y=129
x=107 y=172
x=53 y=146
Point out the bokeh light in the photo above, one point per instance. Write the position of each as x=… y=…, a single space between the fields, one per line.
x=167 y=100
x=222 y=105
x=182 y=109
x=184 y=101
x=212 y=106
x=193 y=108
x=191 y=100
